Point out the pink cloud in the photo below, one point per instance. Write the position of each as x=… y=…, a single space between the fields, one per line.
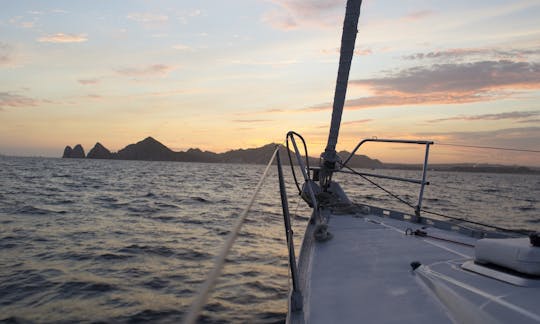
x=88 y=81
x=523 y=115
x=147 y=71
x=14 y=100
x=291 y=14
x=417 y=15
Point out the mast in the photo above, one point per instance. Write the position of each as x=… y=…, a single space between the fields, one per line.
x=348 y=38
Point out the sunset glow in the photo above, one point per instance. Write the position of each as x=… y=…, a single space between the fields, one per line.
x=220 y=75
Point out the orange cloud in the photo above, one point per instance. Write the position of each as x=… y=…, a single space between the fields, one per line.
x=63 y=38
x=251 y=120
x=356 y=122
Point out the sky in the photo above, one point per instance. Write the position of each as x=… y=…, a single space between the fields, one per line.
x=221 y=75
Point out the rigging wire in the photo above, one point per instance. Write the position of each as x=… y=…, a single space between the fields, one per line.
x=219 y=262
x=489 y=147
x=380 y=187
x=432 y=212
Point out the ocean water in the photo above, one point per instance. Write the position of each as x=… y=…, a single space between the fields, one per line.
x=131 y=241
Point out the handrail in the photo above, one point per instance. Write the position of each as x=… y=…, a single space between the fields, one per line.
x=385 y=141
x=305 y=173
x=292 y=134
x=421 y=182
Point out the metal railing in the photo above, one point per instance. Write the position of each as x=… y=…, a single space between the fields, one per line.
x=296 y=295
x=422 y=182
x=308 y=182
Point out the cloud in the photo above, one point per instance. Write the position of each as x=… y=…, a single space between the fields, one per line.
x=356 y=122
x=403 y=99
x=19 y=22
x=63 y=38
x=264 y=63
x=6 y=54
x=14 y=100
x=462 y=78
x=463 y=53
x=182 y=47
x=88 y=81
x=363 y=51
x=358 y=51
x=147 y=71
x=530 y=121
x=195 y=13
x=440 y=84
x=418 y=15
x=59 y=11
x=251 y=120
x=291 y=14
x=518 y=138
x=505 y=115
x=148 y=18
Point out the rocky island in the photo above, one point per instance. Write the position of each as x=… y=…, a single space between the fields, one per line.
x=150 y=149
x=76 y=153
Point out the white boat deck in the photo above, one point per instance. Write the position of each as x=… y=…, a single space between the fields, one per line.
x=363 y=275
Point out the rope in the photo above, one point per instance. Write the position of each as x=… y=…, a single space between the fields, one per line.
x=219 y=262
x=490 y=147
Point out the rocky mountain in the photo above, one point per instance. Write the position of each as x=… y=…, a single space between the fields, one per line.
x=67 y=152
x=259 y=155
x=76 y=153
x=99 y=152
x=196 y=155
x=361 y=161
x=150 y=149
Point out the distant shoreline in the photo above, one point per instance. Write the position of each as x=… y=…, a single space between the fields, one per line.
x=458 y=167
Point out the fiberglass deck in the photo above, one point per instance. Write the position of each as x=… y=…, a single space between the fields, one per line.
x=363 y=275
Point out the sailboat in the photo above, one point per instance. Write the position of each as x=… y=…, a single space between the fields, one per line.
x=365 y=264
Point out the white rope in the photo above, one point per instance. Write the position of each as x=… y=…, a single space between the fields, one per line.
x=219 y=262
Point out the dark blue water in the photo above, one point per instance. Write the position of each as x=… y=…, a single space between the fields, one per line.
x=130 y=241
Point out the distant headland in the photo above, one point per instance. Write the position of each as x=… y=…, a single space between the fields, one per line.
x=150 y=149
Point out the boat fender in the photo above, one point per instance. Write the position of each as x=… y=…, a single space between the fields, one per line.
x=321 y=233
x=415 y=265
x=534 y=238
